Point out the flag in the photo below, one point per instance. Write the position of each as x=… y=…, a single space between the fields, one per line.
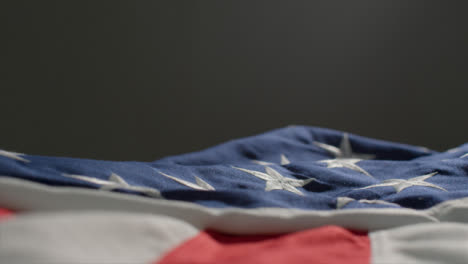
x=292 y=195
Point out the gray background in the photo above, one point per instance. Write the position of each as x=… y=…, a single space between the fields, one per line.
x=125 y=80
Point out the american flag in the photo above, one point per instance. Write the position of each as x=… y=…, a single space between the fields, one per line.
x=292 y=195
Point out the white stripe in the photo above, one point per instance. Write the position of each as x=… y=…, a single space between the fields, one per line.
x=421 y=244
x=90 y=237
x=25 y=195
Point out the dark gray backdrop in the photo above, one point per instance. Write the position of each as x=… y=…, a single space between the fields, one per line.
x=127 y=80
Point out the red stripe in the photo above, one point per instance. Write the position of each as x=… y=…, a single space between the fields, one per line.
x=324 y=245
x=5 y=213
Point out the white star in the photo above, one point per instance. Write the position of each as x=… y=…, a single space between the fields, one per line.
x=343 y=201
x=13 y=155
x=263 y=163
x=345 y=163
x=344 y=156
x=424 y=149
x=283 y=161
x=453 y=150
x=276 y=181
x=461 y=157
x=200 y=184
x=345 y=151
x=401 y=184
x=378 y=202
x=116 y=182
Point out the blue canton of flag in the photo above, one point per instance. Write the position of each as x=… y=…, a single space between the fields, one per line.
x=295 y=167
